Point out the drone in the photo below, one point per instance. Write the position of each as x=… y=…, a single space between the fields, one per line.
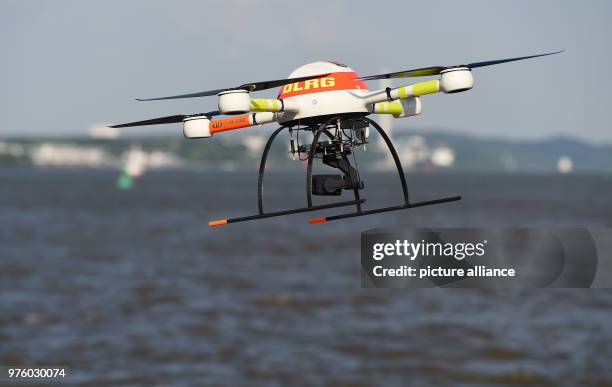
x=331 y=102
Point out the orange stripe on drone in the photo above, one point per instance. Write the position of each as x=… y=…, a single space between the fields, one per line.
x=229 y=123
x=334 y=81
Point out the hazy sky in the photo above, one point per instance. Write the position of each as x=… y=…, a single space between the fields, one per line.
x=67 y=65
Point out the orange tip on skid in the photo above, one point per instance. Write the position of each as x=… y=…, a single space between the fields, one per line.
x=317 y=220
x=220 y=222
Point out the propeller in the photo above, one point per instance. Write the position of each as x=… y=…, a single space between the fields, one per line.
x=435 y=70
x=165 y=120
x=255 y=86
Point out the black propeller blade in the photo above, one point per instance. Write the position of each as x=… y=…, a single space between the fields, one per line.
x=494 y=62
x=255 y=86
x=426 y=71
x=165 y=120
x=422 y=72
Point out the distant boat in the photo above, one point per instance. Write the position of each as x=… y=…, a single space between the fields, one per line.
x=565 y=164
x=135 y=161
x=133 y=166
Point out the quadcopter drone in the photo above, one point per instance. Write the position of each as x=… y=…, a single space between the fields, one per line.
x=330 y=99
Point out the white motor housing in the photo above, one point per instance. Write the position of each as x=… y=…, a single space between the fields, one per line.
x=196 y=127
x=456 y=79
x=410 y=107
x=234 y=102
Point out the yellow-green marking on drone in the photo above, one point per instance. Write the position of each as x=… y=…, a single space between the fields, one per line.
x=266 y=105
x=428 y=87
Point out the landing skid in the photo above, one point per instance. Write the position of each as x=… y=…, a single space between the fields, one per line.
x=383 y=209
x=221 y=222
x=341 y=163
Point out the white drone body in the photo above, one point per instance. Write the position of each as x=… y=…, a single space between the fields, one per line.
x=329 y=99
x=340 y=91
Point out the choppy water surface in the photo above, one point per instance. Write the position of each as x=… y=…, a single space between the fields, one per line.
x=133 y=288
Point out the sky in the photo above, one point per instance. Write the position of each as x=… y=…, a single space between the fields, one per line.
x=69 y=65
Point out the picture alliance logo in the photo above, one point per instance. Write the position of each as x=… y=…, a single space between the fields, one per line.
x=412 y=250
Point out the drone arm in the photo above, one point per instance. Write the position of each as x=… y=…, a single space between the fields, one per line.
x=406 y=107
x=387 y=107
x=273 y=105
x=266 y=105
x=452 y=80
x=241 y=121
x=416 y=90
